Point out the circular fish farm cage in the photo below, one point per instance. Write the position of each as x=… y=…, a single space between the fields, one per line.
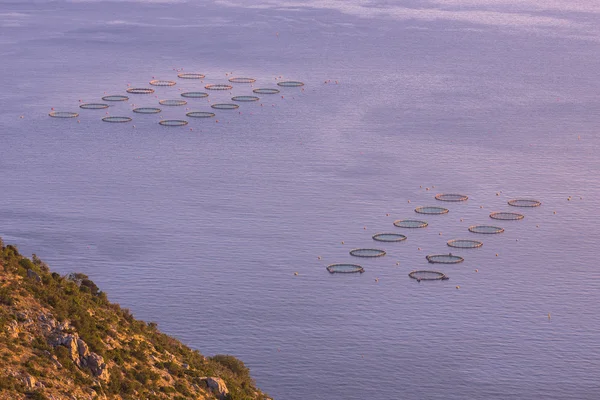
x=200 y=114
x=245 y=98
x=428 y=276
x=410 y=223
x=194 y=95
x=115 y=97
x=486 y=229
x=158 y=82
x=218 y=87
x=451 y=197
x=63 y=114
x=367 y=253
x=465 y=243
x=432 y=210
x=225 y=106
x=173 y=103
x=444 y=259
x=506 y=216
x=345 y=269
x=524 y=203
x=173 y=122
x=116 y=119
x=290 y=84
x=189 y=75
x=140 y=90
x=93 y=106
x=389 y=237
x=265 y=91
x=242 y=80
x=147 y=110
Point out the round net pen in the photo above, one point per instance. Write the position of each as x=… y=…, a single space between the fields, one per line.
x=115 y=97
x=464 y=243
x=410 y=223
x=428 y=276
x=245 y=98
x=290 y=84
x=173 y=103
x=345 y=269
x=93 y=106
x=116 y=119
x=194 y=95
x=506 y=216
x=486 y=229
x=225 y=106
x=189 y=75
x=158 y=82
x=432 y=210
x=63 y=114
x=265 y=91
x=444 y=259
x=524 y=203
x=200 y=114
x=173 y=122
x=147 y=110
x=218 y=87
x=389 y=237
x=455 y=197
x=242 y=80
x=367 y=253
x=140 y=90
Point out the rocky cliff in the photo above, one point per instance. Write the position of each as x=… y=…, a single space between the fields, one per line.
x=60 y=338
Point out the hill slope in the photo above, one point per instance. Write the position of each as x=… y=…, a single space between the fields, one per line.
x=60 y=338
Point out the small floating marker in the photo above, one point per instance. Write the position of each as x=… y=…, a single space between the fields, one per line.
x=496 y=254
x=476 y=270
x=549 y=316
x=458 y=287
x=342 y=242
x=554 y=212
x=295 y=273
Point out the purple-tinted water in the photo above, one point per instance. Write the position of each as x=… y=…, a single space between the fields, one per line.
x=203 y=230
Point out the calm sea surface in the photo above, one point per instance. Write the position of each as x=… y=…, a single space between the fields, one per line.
x=202 y=230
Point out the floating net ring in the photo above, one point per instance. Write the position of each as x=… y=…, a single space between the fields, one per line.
x=410 y=223
x=147 y=110
x=367 y=253
x=389 y=237
x=428 y=276
x=444 y=259
x=173 y=103
x=200 y=114
x=242 y=80
x=451 y=197
x=93 y=106
x=63 y=114
x=140 y=90
x=345 y=268
x=290 y=84
x=431 y=210
x=116 y=119
x=225 y=106
x=218 y=87
x=194 y=95
x=486 y=229
x=524 y=203
x=265 y=91
x=506 y=216
x=115 y=97
x=189 y=75
x=173 y=122
x=245 y=98
x=465 y=243
x=158 y=82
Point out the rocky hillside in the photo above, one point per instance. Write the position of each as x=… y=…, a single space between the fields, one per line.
x=60 y=338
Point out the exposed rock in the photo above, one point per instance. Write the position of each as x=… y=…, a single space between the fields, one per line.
x=13 y=329
x=82 y=348
x=33 y=275
x=30 y=381
x=97 y=365
x=217 y=385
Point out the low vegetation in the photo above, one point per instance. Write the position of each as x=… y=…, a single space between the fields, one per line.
x=60 y=338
